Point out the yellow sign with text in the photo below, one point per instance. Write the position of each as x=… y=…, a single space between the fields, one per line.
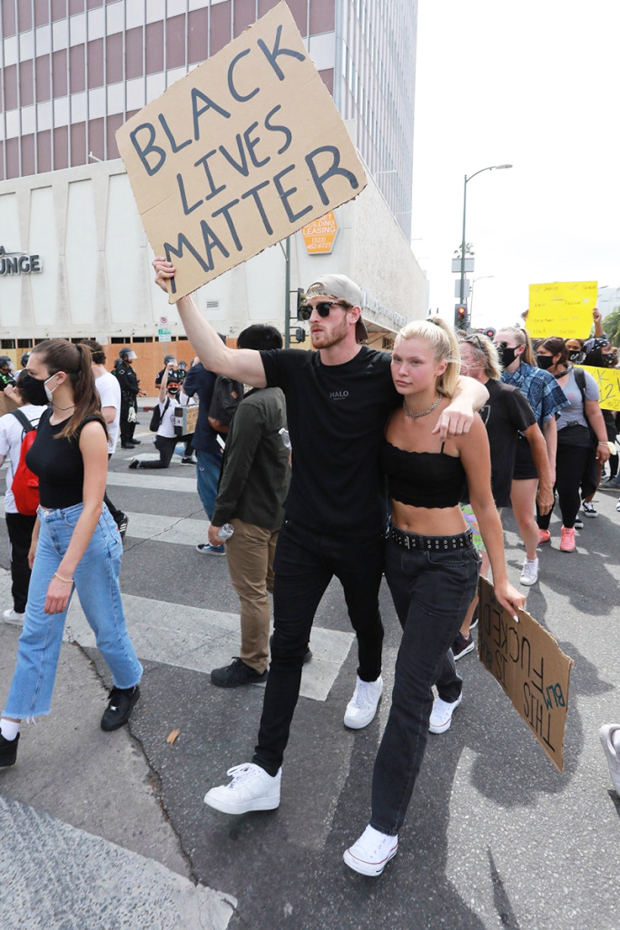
x=239 y=154
x=563 y=308
x=608 y=380
x=320 y=235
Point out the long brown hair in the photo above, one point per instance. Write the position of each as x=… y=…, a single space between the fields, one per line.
x=75 y=360
x=556 y=346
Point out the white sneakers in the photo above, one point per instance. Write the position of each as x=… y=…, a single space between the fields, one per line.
x=610 y=741
x=11 y=616
x=362 y=707
x=251 y=789
x=441 y=714
x=529 y=572
x=371 y=853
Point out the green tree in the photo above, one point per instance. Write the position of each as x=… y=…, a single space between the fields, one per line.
x=469 y=250
x=611 y=325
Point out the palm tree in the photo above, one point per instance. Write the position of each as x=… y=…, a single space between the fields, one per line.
x=611 y=325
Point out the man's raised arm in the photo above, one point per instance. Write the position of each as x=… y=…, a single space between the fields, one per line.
x=243 y=365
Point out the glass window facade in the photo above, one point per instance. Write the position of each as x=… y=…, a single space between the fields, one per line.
x=72 y=71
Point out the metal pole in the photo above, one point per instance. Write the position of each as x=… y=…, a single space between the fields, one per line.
x=462 y=288
x=287 y=296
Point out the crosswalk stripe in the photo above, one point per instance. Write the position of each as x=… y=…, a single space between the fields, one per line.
x=199 y=639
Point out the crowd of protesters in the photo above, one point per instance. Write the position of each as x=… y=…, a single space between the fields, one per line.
x=361 y=424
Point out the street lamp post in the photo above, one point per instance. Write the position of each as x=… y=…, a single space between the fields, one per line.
x=490 y=168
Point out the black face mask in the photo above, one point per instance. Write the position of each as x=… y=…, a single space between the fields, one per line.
x=507 y=355
x=577 y=358
x=173 y=391
x=35 y=389
x=544 y=361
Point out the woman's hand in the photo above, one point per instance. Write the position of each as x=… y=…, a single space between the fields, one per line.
x=509 y=597
x=602 y=453
x=57 y=598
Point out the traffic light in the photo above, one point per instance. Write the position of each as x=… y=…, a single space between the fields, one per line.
x=300 y=334
x=489 y=332
x=301 y=304
x=460 y=317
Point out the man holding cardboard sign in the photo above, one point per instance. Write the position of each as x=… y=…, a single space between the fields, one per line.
x=338 y=400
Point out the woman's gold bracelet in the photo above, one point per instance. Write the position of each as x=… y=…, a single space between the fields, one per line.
x=64 y=580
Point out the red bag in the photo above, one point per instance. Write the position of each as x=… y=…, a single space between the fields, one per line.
x=25 y=485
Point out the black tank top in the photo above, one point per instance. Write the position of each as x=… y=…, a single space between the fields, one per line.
x=58 y=463
x=422 y=479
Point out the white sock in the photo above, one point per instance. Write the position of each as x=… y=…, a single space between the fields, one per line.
x=9 y=729
x=532 y=561
x=371 y=834
x=616 y=741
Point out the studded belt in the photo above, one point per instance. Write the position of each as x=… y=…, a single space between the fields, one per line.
x=435 y=543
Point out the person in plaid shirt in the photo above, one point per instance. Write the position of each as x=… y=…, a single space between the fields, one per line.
x=546 y=398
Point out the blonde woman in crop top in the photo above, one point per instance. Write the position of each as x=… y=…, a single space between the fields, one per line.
x=75 y=544
x=431 y=569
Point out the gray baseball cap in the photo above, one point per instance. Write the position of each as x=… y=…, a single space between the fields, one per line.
x=342 y=288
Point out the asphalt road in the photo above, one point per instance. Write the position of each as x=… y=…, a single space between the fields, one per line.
x=495 y=837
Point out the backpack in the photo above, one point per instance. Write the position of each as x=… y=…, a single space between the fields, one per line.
x=25 y=485
x=157 y=415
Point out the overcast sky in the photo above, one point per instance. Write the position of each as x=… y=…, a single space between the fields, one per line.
x=535 y=84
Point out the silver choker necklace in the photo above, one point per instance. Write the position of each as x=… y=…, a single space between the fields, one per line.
x=414 y=416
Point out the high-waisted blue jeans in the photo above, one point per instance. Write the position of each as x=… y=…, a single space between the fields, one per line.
x=431 y=591
x=97 y=585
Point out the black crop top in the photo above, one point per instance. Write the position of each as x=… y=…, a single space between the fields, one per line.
x=58 y=463
x=422 y=479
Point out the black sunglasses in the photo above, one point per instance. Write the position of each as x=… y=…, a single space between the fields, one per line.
x=322 y=309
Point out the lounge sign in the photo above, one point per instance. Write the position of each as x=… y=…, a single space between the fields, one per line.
x=242 y=152
x=18 y=262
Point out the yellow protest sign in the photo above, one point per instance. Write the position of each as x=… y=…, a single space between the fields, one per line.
x=242 y=152
x=531 y=668
x=563 y=308
x=608 y=380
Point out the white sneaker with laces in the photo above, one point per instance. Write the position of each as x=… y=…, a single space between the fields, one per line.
x=371 y=853
x=441 y=714
x=610 y=738
x=11 y=616
x=529 y=572
x=251 y=789
x=589 y=509
x=362 y=707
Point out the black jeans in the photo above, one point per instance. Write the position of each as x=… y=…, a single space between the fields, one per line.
x=127 y=428
x=570 y=466
x=19 y=527
x=432 y=591
x=304 y=564
x=165 y=446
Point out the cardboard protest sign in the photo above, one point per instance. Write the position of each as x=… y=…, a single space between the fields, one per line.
x=608 y=380
x=561 y=309
x=530 y=667
x=242 y=152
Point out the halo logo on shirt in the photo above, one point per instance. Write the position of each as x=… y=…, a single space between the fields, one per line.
x=338 y=395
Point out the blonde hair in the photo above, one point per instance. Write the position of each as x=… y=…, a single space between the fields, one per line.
x=441 y=337
x=522 y=339
x=484 y=353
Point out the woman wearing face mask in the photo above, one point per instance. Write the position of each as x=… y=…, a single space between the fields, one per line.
x=575 y=453
x=604 y=355
x=75 y=543
x=546 y=399
x=170 y=396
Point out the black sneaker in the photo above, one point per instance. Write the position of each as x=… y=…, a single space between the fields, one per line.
x=461 y=646
x=8 y=751
x=123 y=520
x=135 y=442
x=235 y=674
x=134 y=463
x=119 y=707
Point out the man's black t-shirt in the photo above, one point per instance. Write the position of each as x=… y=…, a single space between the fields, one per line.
x=505 y=414
x=336 y=417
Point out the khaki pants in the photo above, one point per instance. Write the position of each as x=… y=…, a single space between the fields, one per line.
x=250 y=551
